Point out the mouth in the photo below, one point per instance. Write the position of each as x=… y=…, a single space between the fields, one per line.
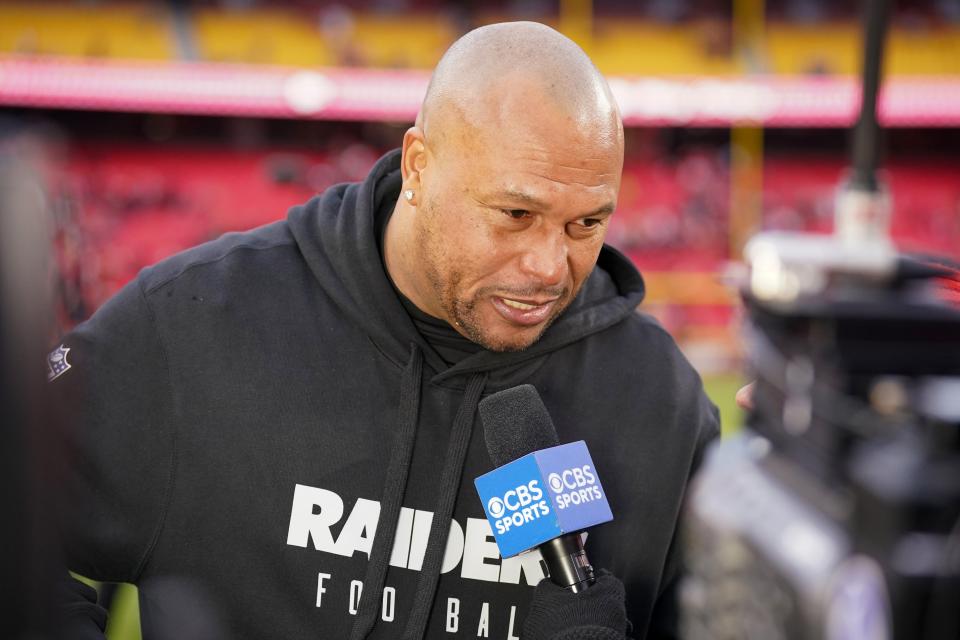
x=524 y=312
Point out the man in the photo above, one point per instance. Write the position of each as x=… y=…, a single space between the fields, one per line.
x=284 y=421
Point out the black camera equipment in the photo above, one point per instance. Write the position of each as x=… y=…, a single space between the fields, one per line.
x=836 y=514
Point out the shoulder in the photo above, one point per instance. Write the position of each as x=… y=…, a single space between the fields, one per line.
x=230 y=255
x=639 y=358
x=655 y=354
x=645 y=326
x=640 y=335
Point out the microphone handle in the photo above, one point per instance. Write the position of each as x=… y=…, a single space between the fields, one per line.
x=567 y=562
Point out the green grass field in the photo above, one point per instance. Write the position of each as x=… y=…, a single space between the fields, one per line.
x=124 y=623
x=722 y=389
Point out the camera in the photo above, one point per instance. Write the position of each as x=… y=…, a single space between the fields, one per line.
x=836 y=514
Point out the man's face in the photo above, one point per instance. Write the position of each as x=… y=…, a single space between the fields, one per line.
x=511 y=225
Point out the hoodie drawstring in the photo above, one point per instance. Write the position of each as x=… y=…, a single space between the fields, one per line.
x=395 y=486
x=394 y=489
x=449 y=484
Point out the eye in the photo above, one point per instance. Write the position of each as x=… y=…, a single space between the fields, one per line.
x=589 y=223
x=516 y=214
x=586 y=227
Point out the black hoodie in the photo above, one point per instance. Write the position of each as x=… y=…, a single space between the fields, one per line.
x=256 y=409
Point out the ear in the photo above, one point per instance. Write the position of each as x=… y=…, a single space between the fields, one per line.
x=414 y=158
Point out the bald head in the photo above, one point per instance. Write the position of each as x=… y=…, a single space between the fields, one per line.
x=503 y=72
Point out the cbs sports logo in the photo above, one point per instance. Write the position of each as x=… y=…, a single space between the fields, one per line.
x=574 y=486
x=518 y=506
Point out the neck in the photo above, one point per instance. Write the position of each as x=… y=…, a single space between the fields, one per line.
x=402 y=259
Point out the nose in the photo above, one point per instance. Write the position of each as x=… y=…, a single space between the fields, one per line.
x=545 y=258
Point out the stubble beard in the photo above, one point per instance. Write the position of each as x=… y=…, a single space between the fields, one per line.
x=464 y=314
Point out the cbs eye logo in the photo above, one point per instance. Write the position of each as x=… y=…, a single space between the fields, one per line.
x=555 y=482
x=495 y=507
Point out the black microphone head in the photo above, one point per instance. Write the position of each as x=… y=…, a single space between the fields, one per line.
x=516 y=423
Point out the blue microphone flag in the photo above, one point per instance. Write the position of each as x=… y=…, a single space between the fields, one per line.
x=541 y=496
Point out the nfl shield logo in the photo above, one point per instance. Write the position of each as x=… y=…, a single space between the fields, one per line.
x=57 y=362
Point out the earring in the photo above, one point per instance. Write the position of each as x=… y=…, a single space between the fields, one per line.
x=408 y=194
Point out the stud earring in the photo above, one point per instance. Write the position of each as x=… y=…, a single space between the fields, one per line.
x=408 y=194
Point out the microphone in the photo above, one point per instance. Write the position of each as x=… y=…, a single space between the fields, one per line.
x=542 y=493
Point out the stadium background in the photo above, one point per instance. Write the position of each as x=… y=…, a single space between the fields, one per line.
x=159 y=125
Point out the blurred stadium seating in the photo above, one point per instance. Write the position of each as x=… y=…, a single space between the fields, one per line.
x=134 y=205
x=265 y=36
x=834 y=49
x=131 y=204
x=137 y=204
x=136 y=31
x=307 y=35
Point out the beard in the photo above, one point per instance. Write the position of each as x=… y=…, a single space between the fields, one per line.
x=467 y=319
x=464 y=312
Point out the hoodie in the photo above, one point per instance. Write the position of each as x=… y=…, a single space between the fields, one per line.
x=261 y=428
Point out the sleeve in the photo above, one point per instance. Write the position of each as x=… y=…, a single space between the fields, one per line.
x=665 y=619
x=81 y=617
x=120 y=438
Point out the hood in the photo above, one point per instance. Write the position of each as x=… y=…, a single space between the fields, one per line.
x=336 y=233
